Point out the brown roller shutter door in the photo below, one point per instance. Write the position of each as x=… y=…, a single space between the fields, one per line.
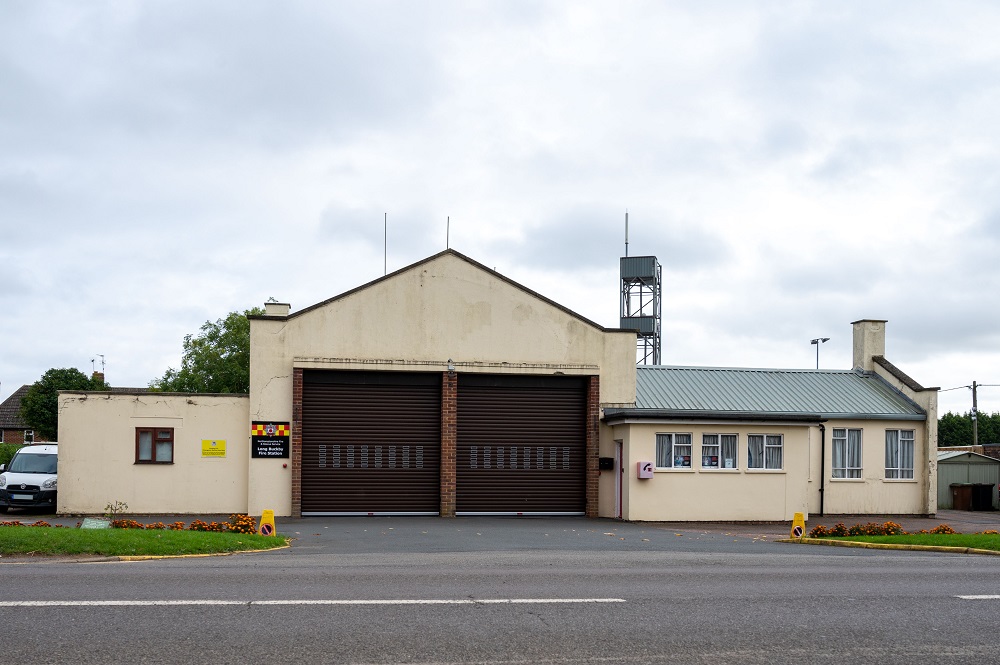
x=521 y=445
x=371 y=443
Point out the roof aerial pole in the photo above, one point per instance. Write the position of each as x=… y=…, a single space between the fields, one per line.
x=447 y=233
x=626 y=232
x=385 y=245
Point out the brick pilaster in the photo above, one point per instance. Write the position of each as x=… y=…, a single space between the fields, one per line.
x=449 y=439
x=297 y=442
x=593 y=443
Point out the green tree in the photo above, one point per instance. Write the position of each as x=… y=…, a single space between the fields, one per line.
x=955 y=429
x=216 y=361
x=40 y=406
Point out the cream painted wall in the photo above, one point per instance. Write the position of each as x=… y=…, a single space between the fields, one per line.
x=416 y=320
x=928 y=401
x=872 y=493
x=97 y=453
x=607 y=494
x=714 y=495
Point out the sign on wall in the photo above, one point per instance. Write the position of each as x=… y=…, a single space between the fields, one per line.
x=270 y=439
x=213 y=448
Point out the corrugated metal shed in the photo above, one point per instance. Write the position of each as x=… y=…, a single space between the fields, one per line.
x=962 y=467
x=770 y=392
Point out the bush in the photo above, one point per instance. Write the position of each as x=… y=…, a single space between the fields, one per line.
x=238 y=523
x=869 y=529
x=7 y=451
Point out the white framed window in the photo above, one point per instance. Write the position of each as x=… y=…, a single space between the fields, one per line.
x=29 y=436
x=899 y=454
x=846 y=453
x=765 y=451
x=719 y=451
x=673 y=451
x=1 y=435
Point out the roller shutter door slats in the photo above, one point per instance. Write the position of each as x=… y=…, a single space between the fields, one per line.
x=370 y=445
x=521 y=445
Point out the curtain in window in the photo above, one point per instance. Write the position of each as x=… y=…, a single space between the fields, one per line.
x=710 y=451
x=682 y=450
x=906 y=455
x=853 y=453
x=663 y=451
x=772 y=459
x=755 y=451
x=728 y=460
x=839 y=453
x=892 y=453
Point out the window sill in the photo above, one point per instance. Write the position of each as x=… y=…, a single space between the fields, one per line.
x=685 y=469
x=847 y=480
x=712 y=469
x=900 y=480
x=146 y=463
x=765 y=471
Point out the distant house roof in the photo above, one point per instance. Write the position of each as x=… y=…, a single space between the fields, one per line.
x=10 y=410
x=765 y=394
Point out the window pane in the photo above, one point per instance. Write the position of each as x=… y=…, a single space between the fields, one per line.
x=839 y=453
x=755 y=451
x=729 y=451
x=682 y=450
x=853 y=453
x=145 y=446
x=710 y=451
x=891 y=452
x=906 y=454
x=663 y=450
x=773 y=453
x=164 y=451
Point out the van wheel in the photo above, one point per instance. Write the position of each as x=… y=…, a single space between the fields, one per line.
x=4 y=509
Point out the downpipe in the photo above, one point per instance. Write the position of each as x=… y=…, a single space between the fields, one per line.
x=822 y=465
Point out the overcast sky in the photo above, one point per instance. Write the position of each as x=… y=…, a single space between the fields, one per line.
x=794 y=166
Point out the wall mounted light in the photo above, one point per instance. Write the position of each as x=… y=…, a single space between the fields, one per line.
x=451 y=365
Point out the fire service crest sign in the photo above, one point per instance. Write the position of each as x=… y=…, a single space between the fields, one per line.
x=269 y=439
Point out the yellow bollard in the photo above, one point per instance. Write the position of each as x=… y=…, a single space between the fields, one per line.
x=267 y=523
x=798 y=525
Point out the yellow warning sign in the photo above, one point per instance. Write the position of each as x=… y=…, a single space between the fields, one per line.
x=213 y=448
x=266 y=527
x=798 y=525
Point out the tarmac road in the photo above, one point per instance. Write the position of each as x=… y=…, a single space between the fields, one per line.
x=470 y=590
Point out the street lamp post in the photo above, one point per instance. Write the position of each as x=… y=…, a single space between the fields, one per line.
x=817 y=342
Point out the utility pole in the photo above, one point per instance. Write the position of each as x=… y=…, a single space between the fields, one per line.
x=975 y=417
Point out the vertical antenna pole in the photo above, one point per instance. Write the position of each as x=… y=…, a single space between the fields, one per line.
x=626 y=232
x=385 y=245
x=975 y=416
x=447 y=234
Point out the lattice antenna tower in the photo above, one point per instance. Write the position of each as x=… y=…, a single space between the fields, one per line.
x=641 y=302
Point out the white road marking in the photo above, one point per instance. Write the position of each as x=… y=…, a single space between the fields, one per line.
x=155 y=603
x=992 y=597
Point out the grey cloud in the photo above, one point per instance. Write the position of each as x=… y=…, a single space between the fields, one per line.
x=268 y=74
x=409 y=234
x=580 y=239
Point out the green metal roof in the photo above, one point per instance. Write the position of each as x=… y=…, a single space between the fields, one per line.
x=766 y=393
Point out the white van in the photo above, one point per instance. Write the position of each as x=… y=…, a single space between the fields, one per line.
x=29 y=481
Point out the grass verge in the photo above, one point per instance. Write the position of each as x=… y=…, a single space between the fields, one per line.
x=127 y=542
x=977 y=541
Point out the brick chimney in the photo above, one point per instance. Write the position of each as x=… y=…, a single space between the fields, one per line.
x=869 y=341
